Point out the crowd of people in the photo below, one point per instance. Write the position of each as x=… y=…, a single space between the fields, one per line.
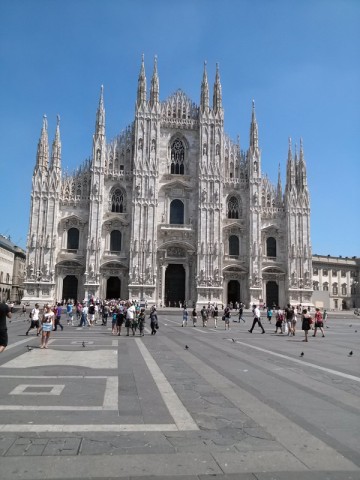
x=128 y=317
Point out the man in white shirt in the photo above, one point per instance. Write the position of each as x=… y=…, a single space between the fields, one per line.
x=256 y=313
x=35 y=322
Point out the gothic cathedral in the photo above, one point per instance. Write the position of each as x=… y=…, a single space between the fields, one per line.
x=171 y=210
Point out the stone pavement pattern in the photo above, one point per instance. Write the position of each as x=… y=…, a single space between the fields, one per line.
x=233 y=405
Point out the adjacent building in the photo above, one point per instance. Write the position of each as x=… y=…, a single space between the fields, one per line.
x=12 y=271
x=171 y=210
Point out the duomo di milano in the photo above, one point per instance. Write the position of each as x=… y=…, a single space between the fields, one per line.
x=171 y=210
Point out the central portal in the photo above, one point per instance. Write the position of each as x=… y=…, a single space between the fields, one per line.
x=113 y=288
x=174 y=285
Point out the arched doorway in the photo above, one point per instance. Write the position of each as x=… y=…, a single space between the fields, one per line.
x=174 y=285
x=233 y=291
x=272 y=294
x=70 y=287
x=113 y=287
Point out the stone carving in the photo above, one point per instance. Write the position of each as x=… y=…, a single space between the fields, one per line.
x=175 y=252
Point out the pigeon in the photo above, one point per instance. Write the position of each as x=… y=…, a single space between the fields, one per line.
x=355 y=331
x=327 y=326
x=29 y=348
x=351 y=353
x=83 y=344
x=186 y=347
x=233 y=339
x=301 y=354
x=350 y=325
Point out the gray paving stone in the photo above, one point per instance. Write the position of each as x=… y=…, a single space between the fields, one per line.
x=310 y=475
x=5 y=444
x=62 y=446
x=27 y=447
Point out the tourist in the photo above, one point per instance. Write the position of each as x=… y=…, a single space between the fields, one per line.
x=83 y=319
x=241 y=311
x=269 y=314
x=294 y=321
x=130 y=317
x=4 y=314
x=153 y=321
x=318 y=322
x=141 y=322
x=226 y=318
x=105 y=314
x=194 y=316
x=185 y=317
x=35 y=320
x=47 y=326
x=120 y=317
x=91 y=314
x=204 y=316
x=306 y=323
x=216 y=315
x=279 y=320
x=58 y=312
x=256 y=313
x=70 y=313
x=289 y=315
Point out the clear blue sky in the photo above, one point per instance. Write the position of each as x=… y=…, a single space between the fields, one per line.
x=299 y=60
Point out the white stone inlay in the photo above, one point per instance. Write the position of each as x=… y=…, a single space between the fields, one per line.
x=21 y=389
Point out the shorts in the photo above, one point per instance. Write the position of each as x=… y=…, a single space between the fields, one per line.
x=35 y=324
x=119 y=321
x=3 y=338
x=319 y=324
x=47 y=327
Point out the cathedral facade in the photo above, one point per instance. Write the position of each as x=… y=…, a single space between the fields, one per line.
x=171 y=210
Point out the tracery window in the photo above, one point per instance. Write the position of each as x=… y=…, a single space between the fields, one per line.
x=335 y=288
x=233 y=208
x=234 y=245
x=315 y=271
x=117 y=201
x=316 y=285
x=115 y=241
x=326 y=287
x=271 y=247
x=73 y=239
x=177 y=157
x=344 y=289
x=177 y=212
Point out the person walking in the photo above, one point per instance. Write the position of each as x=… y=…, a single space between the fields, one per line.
x=204 y=316
x=35 y=320
x=70 y=313
x=216 y=315
x=83 y=318
x=185 y=317
x=47 y=326
x=5 y=313
x=318 y=322
x=141 y=322
x=153 y=321
x=306 y=323
x=256 y=313
x=194 y=317
x=226 y=318
x=289 y=315
x=241 y=311
x=58 y=312
x=130 y=318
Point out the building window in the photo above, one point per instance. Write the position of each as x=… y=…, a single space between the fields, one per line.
x=7 y=278
x=271 y=247
x=315 y=271
x=73 y=239
x=115 y=241
x=234 y=245
x=326 y=287
x=316 y=285
x=336 y=304
x=343 y=273
x=1 y=277
x=325 y=273
x=344 y=289
x=335 y=289
x=233 y=208
x=117 y=201
x=177 y=212
x=177 y=157
x=334 y=273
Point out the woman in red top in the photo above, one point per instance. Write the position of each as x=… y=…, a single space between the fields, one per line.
x=318 y=322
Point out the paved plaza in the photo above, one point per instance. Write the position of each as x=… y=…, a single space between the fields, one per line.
x=233 y=405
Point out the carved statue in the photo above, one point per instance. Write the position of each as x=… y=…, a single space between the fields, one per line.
x=203 y=195
x=216 y=196
x=47 y=241
x=46 y=269
x=216 y=274
x=33 y=240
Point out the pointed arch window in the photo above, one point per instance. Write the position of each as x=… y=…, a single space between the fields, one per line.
x=117 y=201
x=233 y=208
x=271 y=247
x=73 y=239
x=234 y=245
x=177 y=157
x=115 y=241
x=177 y=212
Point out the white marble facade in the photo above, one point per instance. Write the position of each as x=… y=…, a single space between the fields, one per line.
x=171 y=210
